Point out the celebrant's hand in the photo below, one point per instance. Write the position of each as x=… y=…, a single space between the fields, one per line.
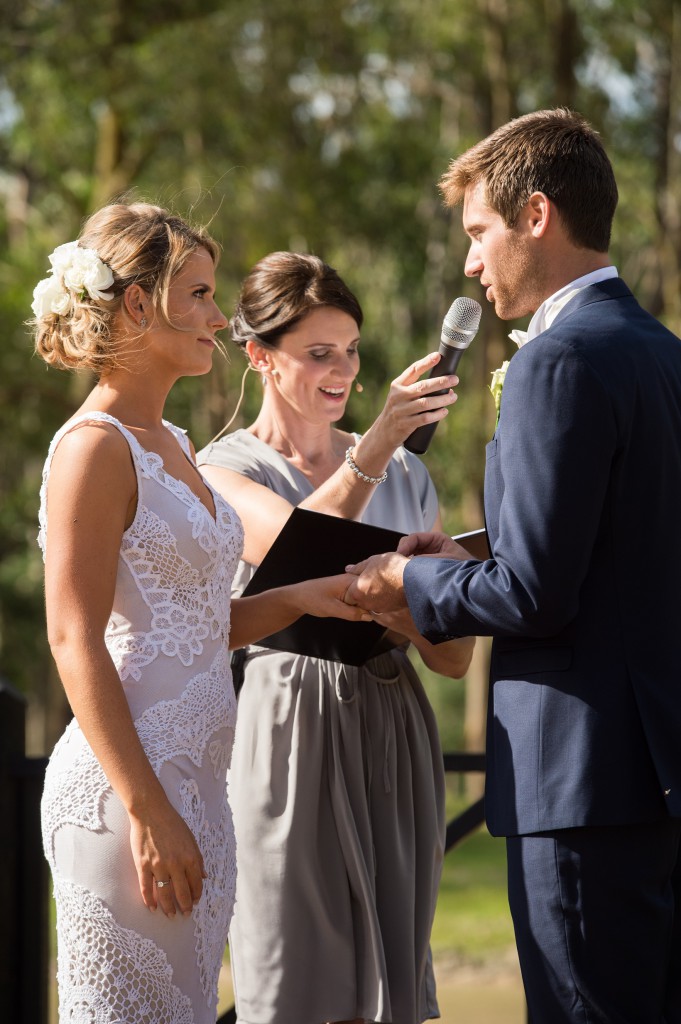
x=414 y=400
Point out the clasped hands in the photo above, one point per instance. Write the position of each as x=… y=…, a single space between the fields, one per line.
x=378 y=586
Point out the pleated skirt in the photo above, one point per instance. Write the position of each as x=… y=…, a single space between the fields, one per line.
x=337 y=791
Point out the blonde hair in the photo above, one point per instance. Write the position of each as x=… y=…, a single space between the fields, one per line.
x=141 y=244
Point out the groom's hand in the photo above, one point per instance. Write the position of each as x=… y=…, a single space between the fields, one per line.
x=441 y=545
x=378 y=584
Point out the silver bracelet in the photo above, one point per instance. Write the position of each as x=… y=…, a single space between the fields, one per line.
x=358 y=472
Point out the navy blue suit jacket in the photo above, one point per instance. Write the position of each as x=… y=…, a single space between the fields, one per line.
x=583 y=592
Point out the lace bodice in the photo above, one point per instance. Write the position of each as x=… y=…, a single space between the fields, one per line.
x=179 y=589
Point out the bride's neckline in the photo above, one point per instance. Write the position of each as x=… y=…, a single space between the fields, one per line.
x=170 y=428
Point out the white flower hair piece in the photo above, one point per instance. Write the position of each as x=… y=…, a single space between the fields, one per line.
x=75 y=271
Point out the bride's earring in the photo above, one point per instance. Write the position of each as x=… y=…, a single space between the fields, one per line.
x=358 y=387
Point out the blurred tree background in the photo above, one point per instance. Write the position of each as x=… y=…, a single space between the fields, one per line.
x=307 y=125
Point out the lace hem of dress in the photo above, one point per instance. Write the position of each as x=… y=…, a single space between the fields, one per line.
x=93 y=980
x=214 y=910
x=108 y=974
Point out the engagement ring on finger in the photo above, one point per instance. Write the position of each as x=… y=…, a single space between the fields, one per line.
x=161 y=884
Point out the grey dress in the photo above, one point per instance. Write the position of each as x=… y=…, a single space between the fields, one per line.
x=337 y=790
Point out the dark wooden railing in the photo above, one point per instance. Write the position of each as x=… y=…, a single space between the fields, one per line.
x=24 y=876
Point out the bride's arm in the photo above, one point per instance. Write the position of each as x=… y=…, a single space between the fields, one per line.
x=91 y=498
x=253 y=618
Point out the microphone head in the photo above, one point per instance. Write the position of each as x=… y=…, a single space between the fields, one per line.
x=461 y=323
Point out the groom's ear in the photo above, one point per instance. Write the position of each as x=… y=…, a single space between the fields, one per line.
x=538 y=212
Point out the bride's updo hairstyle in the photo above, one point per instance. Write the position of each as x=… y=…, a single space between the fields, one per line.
x=280 y=290
x=78 y=307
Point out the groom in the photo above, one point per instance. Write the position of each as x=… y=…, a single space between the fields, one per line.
x=583 y=590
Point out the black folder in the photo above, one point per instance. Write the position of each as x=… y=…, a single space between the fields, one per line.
x=311 y=545
x=476 y=543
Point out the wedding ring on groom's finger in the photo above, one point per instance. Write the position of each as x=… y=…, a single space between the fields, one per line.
x=160 y=885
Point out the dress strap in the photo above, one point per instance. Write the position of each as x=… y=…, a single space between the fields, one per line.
x=85 y=417
x=95 y=416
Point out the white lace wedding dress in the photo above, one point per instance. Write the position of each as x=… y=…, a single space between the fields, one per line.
x=119 y=963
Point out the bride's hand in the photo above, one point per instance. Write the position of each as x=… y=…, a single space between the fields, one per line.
x=325 y=597
x=165 y=851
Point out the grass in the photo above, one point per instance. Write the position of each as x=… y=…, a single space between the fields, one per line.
x=481 y=1002
x=476 y=967
x=472 y=920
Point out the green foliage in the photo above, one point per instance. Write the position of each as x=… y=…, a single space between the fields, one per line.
x=298 y=125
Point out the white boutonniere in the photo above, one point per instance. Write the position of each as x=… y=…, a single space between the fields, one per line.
x=499 y=376
x=497 y=385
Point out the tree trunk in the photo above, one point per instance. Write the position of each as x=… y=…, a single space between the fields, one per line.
x=475 y=717
x=566 y=48
x=669 y=174
x=496 y=61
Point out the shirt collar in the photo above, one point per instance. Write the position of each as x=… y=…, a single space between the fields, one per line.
x=551 y=307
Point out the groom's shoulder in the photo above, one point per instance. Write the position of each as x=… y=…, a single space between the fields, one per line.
x=606 y=314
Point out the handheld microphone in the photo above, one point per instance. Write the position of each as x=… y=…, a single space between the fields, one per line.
x=458 y=330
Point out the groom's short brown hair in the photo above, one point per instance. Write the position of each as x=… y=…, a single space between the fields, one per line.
x=556 y=152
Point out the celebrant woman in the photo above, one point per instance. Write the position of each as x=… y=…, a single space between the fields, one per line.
x=337 y=778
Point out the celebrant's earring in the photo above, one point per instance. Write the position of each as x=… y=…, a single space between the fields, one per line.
x=358 y=388
x=143 y=322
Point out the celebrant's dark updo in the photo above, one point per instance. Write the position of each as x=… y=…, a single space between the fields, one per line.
x=280 y=290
